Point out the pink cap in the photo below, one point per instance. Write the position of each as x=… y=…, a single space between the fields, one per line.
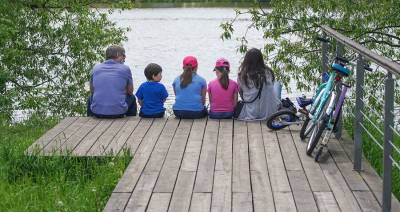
x=190 y=61
x=222 y=62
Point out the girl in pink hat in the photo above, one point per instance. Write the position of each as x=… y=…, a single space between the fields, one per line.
x=222 y=92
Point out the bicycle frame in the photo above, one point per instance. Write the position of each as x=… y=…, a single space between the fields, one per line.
x=322 y=97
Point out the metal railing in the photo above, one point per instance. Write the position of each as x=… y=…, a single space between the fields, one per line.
x=391 y=69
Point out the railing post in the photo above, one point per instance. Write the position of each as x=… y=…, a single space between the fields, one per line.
x=338 y=133
x=358 y=115
x=387 y=149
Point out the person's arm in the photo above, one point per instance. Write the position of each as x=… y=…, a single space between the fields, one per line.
x=129 y=89
x=140 y=102
x=203 y=95
x=235 y=99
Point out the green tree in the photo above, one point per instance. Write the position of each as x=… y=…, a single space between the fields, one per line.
x=47 y=49
x=290 y=28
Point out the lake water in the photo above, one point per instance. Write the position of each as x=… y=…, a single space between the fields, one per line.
x=166 y=35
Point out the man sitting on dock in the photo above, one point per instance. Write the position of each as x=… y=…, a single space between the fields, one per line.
x=111 y=87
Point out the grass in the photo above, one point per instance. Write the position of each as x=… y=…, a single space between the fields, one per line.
x=37 y=183
x=374 y=153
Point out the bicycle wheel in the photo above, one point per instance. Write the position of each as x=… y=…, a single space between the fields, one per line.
x=280 y=119
x=316 y=135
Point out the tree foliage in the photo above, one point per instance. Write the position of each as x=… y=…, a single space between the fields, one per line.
x=47 y=49
x=290 y=28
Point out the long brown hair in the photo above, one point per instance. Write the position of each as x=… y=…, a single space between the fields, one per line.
x=254 y=69
x=224 y=80
x=186 y=76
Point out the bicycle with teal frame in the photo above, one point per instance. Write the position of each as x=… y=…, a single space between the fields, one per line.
x=326 y=107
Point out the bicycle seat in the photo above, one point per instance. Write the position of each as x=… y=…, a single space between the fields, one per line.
x=303 y=102
x=341 y=69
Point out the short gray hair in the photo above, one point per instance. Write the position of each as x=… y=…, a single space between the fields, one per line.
x=114 y=51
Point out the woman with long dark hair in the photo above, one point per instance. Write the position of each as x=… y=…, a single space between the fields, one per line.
x=256 y=88
x=190 y=91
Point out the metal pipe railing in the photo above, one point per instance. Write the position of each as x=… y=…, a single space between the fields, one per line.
x=392 y=68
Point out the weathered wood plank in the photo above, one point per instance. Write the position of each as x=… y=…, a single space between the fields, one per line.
x=284 y=201
x=136 y=138
x=75 y=139
x=117 y=202
x=263 y=199
x=241 y=164
x=119 y=140
x=60 y=139
x=128 y=181
x=193 y=148
x=222 y=192
x=205 y=171
x=276 y=168
x=326 y=201
x=90 y=138
x=141 y=194
x=182 y=194
x=367 y=201
x=305 y=201
x=200 y=202
x=224 y=148
x=242 y=202
x=312 y=170
x=50 y=135
x=159 y=202
x=289 y=152
x=104 y=140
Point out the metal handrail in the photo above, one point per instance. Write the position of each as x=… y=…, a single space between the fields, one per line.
x=392 y=68
x=385 y=63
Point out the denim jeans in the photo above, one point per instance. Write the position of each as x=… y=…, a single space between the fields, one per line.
x=220 y=115
x=187 y=114
x=132 y=108
x=156 y=115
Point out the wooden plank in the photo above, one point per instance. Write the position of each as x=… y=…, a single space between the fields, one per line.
x=119 y=140
x=104 y=140
x=182 y=194
x=90 y=138
x=137 y=136
x=222 y=192
x=326 y=202
x=261 y=186
x=289 y=152
x=276 y=168
x=159 y=202
x=298 y=181
x=205 y=171
x=169 y=171
x=141 y=194
x=50 y=135
x=75 y=139
x=131 y=175
x=284 y=201
x=224 y=148
x=241 y=164
x=341 y=191
x=312 y=170
x=262 y=192
x=159 y=153
x=193 y=148
x=59 y=140
x=303 y=196
x=367 y=201
x=242 y=202
x=117 y=202
x=200 y=202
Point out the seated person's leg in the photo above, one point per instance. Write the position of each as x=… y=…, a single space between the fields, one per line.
x=108 y=116
x=156 y=115
x=220 y=115
x=185 y=114
x=132 y=107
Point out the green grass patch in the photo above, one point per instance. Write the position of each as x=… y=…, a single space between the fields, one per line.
x=373 y=152
x=38 y=183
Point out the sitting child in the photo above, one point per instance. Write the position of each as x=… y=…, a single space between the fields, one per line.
x=152 y=94
x=222 y=92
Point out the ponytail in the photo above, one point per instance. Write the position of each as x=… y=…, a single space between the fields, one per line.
x=224 y=79
x=186 y=76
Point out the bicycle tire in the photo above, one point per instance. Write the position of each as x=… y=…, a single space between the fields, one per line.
x=316 y=135
x=270 y=121
x=303 y=131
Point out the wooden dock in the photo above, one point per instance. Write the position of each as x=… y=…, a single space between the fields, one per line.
x=217 y=165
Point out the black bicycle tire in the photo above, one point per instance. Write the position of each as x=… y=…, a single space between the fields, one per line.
x=314 y=141
x=276 y=114
x=303 y=134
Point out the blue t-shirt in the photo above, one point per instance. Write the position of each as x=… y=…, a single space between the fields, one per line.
x=153 y=95
x=189 y=98
x=109 y=80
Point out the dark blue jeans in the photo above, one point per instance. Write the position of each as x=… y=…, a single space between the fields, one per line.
x=132 y=108
x=220 y=115
x=156 y=115
x=188 y=114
